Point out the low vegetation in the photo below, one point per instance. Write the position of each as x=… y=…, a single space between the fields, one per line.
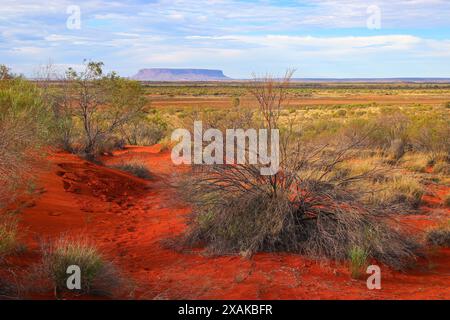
x=346 y=170
x=98 y=276
x=306 y=208
x=8 y=236
x=24 y=129
x=439 y=236
x=136 y=168
x=96 y=113
x=358 y=262
x=447 y=200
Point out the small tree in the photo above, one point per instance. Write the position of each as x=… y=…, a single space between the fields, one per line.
x=102 y=104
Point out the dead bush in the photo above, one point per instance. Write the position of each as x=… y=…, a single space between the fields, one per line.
x=305 y=208
x=238 y=211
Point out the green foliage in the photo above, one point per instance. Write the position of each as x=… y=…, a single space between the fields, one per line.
x=91 y=108
x=358 y=261
x=402 y=190
x=146 y=131
x=24 y=129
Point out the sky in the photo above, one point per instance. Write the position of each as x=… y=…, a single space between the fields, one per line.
x=318 y=38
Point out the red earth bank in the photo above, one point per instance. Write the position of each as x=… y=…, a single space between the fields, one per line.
x=129 y=218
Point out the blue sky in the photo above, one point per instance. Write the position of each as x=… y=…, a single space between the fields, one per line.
x=319 y=38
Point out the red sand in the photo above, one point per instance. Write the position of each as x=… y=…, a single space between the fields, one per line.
x=128 y=218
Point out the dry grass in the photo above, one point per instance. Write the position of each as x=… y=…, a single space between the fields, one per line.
x=447 y=200
x=23 y=129
x=439 y=236
x=135 y=167
x=313 y=206
x=98 y=276
x=8 y=235
x=416 y=162
x=442 y=167
x=403 y=191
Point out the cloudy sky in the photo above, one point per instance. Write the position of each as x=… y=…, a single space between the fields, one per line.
x=320 y=38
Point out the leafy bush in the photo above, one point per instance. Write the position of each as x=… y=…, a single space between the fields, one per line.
x=24 y=128
x=146 y=131
x=91 y=108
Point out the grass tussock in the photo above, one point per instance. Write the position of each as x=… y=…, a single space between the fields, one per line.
x=358 y=262
x=447 y=200
x=442 y=167
x=8 y=236
x=417 y=162
x=136 y=168
x=403 y=191
x=98 y=276
x=439 y=236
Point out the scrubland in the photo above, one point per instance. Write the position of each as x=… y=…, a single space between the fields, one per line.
x=364 y=179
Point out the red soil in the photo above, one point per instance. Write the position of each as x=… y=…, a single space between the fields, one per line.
x=128 y=218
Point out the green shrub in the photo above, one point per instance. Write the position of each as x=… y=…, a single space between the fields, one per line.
x=92 y=108
x=147 y=131
x=358 y=261
x=24 y=129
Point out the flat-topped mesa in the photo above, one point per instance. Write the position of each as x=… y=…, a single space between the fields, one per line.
x=157 y=74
